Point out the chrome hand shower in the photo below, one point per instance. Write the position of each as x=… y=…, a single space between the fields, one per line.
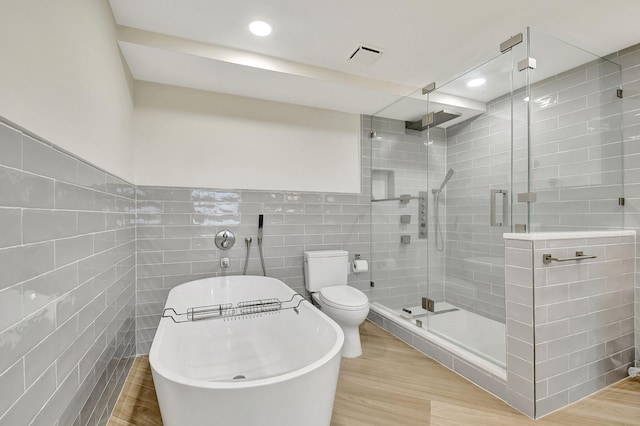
x=260 y=224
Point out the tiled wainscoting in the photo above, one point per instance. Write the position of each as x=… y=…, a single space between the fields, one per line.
x=176 y=229
x=570 y=325
x=67 y=287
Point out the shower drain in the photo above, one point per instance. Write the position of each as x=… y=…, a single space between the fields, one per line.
x=239 y=376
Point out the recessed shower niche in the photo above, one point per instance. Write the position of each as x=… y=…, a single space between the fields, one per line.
x=382 y=184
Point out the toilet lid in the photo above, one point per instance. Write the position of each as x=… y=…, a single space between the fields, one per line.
x=344 y=297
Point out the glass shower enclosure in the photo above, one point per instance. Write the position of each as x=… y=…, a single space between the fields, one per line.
x=527 y=140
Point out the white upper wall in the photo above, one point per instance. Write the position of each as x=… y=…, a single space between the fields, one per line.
x=62 y=78
x=191 y=138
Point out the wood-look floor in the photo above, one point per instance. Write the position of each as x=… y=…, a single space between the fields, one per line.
x=393 y=384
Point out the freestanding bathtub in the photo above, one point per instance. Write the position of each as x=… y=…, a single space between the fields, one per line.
x=277 y=367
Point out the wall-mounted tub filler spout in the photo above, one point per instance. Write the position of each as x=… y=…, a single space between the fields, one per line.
x=260 y=224
x=247 y=241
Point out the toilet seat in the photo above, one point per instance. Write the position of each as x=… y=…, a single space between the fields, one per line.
x=344 y=297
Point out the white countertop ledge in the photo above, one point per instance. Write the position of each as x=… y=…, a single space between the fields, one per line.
x=537 y=236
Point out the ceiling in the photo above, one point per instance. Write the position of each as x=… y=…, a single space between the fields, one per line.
x=205 y=44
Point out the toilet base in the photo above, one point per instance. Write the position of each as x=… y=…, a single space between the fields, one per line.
x=349 y=321
x=352 y=348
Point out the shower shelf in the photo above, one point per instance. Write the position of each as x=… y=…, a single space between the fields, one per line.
x=229 y=310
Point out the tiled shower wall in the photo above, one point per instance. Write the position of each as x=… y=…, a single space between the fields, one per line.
x=404 y=162
x=67 y=288
x=479 y=150
x=576 y=172
x=176 y=229
x=576 y=149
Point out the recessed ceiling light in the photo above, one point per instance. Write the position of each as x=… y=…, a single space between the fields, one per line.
x=260 y=28
x=476 y=82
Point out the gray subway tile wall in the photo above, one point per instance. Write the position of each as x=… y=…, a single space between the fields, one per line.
x=67 y=299
x=588 y=337
x=577 y=154
x=520 y=326
x=479 y=150
x=176 y=227
x=576 y=317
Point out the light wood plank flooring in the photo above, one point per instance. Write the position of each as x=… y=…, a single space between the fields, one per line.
x=393 y=384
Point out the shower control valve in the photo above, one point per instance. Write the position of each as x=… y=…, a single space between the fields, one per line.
x=225 y=240
x=423 y=216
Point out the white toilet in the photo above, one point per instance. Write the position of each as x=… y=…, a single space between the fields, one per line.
x=325 y=273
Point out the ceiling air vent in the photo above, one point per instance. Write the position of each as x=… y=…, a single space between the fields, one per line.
x=365 y=55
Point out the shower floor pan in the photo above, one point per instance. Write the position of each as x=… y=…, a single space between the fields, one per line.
x=480 y=340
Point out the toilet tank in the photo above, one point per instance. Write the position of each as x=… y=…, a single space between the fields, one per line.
x=325 y=268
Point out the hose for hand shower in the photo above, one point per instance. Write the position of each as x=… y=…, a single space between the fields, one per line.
x=439 y=240
x=260 y=223
x=264 y=271
x=436 y=205
x=247 y=241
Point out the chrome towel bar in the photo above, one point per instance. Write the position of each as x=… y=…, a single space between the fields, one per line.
x=546 y=258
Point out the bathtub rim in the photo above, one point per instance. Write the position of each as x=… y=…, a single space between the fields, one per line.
x=158 y=367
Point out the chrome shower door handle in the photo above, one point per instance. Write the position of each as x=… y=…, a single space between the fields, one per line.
x=505 y=208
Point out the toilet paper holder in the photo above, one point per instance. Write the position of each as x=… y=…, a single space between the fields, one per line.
x=363 y=267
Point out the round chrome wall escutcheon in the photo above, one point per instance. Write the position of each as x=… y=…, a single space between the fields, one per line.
x=225 y=240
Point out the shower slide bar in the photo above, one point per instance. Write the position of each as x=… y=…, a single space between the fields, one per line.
x=546 y=258
x=404 y=199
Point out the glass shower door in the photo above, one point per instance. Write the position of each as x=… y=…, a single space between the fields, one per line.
x=576 y=159
x=441 y=198
x=399 y=163
x=470 y=198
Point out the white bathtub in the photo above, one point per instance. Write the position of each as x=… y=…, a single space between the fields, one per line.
x=290 y=360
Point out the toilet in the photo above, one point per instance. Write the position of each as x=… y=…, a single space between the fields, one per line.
x=325 y=273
